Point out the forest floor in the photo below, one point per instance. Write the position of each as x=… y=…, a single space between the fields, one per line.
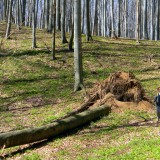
x=35 y=90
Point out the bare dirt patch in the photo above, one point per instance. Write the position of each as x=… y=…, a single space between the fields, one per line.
x=121 y=90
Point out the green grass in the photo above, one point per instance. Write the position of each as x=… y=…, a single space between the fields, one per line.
x=34 y=90
x=33 y=156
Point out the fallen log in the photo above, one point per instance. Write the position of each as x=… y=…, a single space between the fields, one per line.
x=25 y=136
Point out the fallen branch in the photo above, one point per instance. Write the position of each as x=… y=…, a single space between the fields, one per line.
x=25 y=136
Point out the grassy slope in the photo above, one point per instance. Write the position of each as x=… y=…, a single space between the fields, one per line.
x=35 y=90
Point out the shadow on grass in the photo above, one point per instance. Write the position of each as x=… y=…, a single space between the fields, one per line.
x=146 y=122
x=25 y=53
x=24 y=80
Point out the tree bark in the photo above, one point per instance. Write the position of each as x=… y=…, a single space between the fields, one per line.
x=157 y=20
x=9 y=20
x=63 y=32
x=33 y=25
x=145 y=30
x=25 y=136
x=137 y=21
x=119 y=19
x=23 y=12
x=88 y=30
x=54 y=30
x=112 y=17
x=78 y=69
x=58 y=23
x=126 y=18
x=70 y=44
x=50 y=27
x=95 y=26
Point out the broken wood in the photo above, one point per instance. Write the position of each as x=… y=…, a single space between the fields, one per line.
x=25 y=136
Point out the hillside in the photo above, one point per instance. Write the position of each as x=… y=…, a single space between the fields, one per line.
x=35 y=90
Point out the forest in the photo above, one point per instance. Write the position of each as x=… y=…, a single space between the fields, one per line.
x=79 y=79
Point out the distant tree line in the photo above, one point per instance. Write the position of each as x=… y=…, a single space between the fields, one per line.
x=107 y=17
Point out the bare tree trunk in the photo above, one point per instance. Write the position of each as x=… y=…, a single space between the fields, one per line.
x=63 y=32
x=58 y=23
x=119 y=18
x=36 y=13
x=9 y=20
x=137 y=21
x=126 y=18
x=83 y=15
x=88 y=31
x=112 y=17
x=95 y=26
x=18 y=14
x=104 y=18
x=46 y=14
x=157 y=20
x=23 y=11
x=54 y=31
x=72 y=31
x=78 y=69
x=145 y=29
x=51 y=17
x=33 y=25
x=152 y=19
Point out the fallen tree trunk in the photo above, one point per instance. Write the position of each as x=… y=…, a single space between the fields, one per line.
x=25 y=136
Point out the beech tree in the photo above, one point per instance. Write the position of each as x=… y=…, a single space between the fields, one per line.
x=112 y=18
x=157 y=20
x=145 y=28
x=54 y=29
x=88 y=31
x=9 y=19
x=63 y=31
x=58 y=26
x=137 y=21
x=70 y=44
x=78 y=69
x=33 y=25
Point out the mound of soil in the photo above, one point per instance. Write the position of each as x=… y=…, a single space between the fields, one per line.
x=120 y=90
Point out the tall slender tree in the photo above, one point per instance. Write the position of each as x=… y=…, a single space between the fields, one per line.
x=58 y=26
x=87 y=18
x=152 y=19
x=54 y=30
x=33 y=25
x=23 y=12
x=78 y=69
x=9 y=19
x=95 y=26
x=63 y=31
x=145 y=28
x=104 y=18
x=18 y=14
x=119 y=18
x=50 y=27
x=157 y=20
x=46 y=6
x=126 y=18
x=112 y=17
x=70 y=44
x=137 y=21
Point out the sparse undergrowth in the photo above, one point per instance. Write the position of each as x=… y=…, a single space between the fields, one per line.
x=35 y=90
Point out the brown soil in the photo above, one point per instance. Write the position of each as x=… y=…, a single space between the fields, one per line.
x=120 y=91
